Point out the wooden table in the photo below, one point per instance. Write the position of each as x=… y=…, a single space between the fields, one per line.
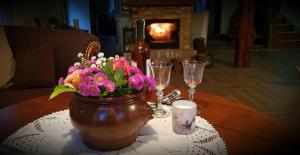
x=244 y=130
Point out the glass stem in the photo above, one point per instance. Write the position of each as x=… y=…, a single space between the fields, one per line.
x=191 y=94
x=160 y=95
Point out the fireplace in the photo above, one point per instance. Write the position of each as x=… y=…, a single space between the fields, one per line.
x=162 y=33
x=177 y=12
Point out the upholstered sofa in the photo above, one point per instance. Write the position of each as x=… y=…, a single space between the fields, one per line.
x=42 y=55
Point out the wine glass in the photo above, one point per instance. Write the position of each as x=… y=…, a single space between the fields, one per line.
x=193 y=73
x=160 y=70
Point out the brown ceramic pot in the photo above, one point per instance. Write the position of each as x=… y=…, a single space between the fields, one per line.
x=109 y=123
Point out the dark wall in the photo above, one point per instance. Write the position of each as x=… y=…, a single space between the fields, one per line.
x=291 y=10
x=17 y=12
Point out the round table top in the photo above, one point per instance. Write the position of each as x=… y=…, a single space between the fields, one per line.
x=244 y=130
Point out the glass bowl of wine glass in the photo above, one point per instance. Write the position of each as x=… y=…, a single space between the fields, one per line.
x=192 y=74
x=160 y=69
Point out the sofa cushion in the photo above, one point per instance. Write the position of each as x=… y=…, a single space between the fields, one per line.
x=35 y=67
x=66 y=43
x=7 y=62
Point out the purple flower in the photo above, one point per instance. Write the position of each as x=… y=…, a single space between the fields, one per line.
x=136 y=81
x=87 y=71
x=61 y=81
x=109 y=86
x=150 y=82
x=100 y=78
x=94 y=90
x=134 y=70
x=89 y=89
x=85 y=79
x=95 y=70
x=84 y=89
x=92 y=61
x=72 y=69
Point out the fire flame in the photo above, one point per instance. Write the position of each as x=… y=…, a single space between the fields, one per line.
x=161 y=31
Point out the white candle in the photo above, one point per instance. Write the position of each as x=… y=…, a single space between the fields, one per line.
x=183 y=116
x=183 y=107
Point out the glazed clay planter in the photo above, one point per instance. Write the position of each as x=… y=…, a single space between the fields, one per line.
x=109 y=123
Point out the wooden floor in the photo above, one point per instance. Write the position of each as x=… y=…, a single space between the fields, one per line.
x=271 y=84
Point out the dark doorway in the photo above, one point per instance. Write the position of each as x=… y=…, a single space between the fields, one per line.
x=261 y=22
x=103 y=24
x=215 y=10
x=102 y=17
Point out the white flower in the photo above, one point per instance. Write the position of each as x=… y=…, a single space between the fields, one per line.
x=80 y=55
x=117 y=57
x=98 y=61
x=104 y=63
x=111 y=58
x=100 y=54
x=93 y=58
x=76 y=64
x=93 y=66
x=103 y=59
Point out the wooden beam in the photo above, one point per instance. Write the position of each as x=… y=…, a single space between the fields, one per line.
x=246 y=33
x=161 y=2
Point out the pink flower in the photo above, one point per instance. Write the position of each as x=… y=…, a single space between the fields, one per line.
x=150 y=81
x=89 y=89
x=61 y=81
x=92 y=61
x=94 y=90
x=87 y=71
x=95 y=69
x=134 y=70
x=136 y=81
x=121 y=63
x=85 y=79
x=84 y=89
x=72 y=69
x=100 y=78
x=109 y=86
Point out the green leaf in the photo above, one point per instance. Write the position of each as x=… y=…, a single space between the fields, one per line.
x=120 y=83
x=124 y=82
x=103 y=93
x=119 y=74
x=118 y=77
x=125 y=90
x=61 y=89
x=108 y=69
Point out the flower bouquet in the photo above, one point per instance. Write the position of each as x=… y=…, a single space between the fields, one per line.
x=102 y=76
x=109 y=106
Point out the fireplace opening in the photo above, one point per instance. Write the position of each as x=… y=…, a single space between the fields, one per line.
x=162 y=33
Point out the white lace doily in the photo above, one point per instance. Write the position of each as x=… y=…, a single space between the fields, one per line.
x=54 y=134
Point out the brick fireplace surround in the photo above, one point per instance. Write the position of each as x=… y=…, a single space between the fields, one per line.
x=155 y=9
